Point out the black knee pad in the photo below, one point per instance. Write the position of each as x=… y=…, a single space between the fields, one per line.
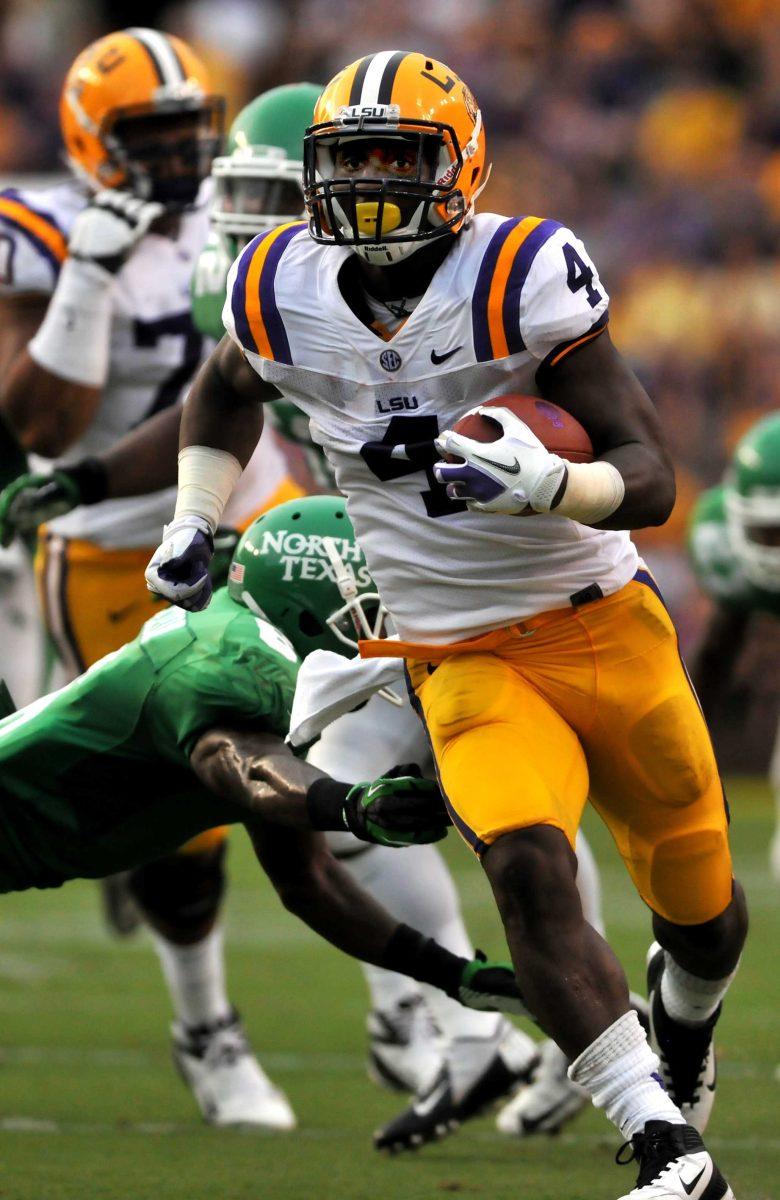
x=183 y=890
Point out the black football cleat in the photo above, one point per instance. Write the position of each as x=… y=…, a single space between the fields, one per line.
x=674 y=1164
x=511 y=1059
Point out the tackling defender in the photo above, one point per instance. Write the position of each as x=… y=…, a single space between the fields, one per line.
x=200 y=704
x=538 y=650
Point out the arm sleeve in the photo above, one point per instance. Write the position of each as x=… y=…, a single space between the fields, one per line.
x=32 y=246
x=563 y=301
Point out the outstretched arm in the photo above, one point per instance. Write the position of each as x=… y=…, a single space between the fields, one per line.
x=318 y=889
x=258 y=772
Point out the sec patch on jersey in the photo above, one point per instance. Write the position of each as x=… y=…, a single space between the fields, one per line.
x=557 y=430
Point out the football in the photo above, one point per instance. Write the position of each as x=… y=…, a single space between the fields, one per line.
x=556 y=429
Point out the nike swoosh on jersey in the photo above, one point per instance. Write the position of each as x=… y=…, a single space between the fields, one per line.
x=510 y=468
x=436 y=359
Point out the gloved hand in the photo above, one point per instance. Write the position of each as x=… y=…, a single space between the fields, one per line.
x=179 y=568
x=106 y=231
x=490 y=987
x=515 y=474
x=398 y=809
x=33 y=499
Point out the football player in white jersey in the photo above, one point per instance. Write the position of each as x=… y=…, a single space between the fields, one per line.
x=537 y=647
x=97 y=337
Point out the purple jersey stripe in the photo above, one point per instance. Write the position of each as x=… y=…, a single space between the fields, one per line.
x=518 y=273
x=483 y=349
x=274 y=326
x=238 y=298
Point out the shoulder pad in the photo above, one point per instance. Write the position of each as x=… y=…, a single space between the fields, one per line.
x=251 y=314
x=35 y=240
x=502 y=273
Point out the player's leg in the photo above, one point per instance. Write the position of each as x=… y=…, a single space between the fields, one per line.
x=475 y=1049
x=774 y=779
x=515 y=777
x=663 y=800
x=180 y=897
x=551 y=1099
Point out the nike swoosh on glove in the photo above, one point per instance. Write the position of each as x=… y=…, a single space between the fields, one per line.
x=179 y=568
x=511 y=475
x=110 y=226
x=398 y=809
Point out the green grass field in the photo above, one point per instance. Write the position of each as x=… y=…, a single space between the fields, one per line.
x=90 y=1108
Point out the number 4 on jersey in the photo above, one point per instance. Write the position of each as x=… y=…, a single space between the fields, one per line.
x=580 y=274
x=406 y=448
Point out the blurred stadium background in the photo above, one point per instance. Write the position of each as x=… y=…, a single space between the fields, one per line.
x=652 y=127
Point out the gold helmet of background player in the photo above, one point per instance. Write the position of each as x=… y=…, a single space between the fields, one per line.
x=137 y=113
x=405 y=103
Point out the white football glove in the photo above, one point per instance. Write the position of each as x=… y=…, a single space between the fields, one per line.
x=179 y=568
x=106 y=231
x=511 y=475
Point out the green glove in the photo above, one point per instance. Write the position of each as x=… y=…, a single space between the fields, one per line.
x=398 y=809
x=490 y=986
x=33 y=499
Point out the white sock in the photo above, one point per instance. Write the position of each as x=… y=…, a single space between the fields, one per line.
x=589 y=884
x=620 y=1072
x=195 y=976
x=688 y=999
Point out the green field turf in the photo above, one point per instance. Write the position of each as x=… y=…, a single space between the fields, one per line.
x=90 y=1108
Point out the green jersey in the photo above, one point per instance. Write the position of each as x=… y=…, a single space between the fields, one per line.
x=95 y=778
x=715 y=563
x=209 y=288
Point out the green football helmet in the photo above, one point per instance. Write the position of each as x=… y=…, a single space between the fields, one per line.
x=300 y=566
x=752 y=496
x=259 y=182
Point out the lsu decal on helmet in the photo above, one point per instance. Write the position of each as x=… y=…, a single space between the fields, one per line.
x=752 y=497
x=395 y=157
x=300 y=566
x=259 y=181
x=136 y=113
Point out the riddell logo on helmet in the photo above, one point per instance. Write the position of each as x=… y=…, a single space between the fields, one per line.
x=305 y=557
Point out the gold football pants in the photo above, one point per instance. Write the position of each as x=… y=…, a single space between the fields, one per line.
x=529 y=721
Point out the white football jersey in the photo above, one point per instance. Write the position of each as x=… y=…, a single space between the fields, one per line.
x=155 y=351
x=511 y=296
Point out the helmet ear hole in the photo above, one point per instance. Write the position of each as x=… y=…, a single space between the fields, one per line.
x=309 y=625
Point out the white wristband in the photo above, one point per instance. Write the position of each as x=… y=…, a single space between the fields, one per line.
x=593 y=492
x=206 y=479
x=74 y=338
